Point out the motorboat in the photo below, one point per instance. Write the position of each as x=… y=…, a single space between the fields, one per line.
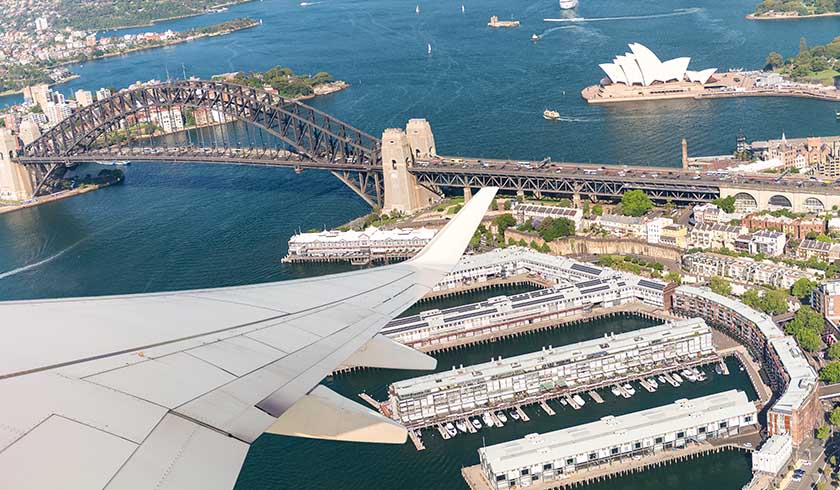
x=501 y=416
x=551 y=115
x=652 y=382
x=476 y=423
x=487 y=419
x=662 y=379
x=450 y=429
x=677 y=378
x=535 y=38
x=579 y=400
x=461 y=425
x=629 y=389
x=564 y=402
x=687 y=374
x=568 y=4
x=514 y=415
x=615 y=390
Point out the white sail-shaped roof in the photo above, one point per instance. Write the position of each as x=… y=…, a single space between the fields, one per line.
x=614 y=72
x=701 y=76
x=642 y=67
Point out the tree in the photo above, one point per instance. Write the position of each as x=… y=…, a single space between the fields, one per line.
x=834 y=417
x=511 y=242
x=504 y=221
x=720 y=285
x=834 y=352
x=522 y=242
x=823 y=432
x=674 y=277
x=808 y=339
x=831 y=374
x=775 y=302
x=597 y=210
x=752 y=298
x=727 y=204
x=565 y=203
x=545 y=248
x=774 y=60
x=535 y=245
x=585 y=208
x=802 y=287
x=803 y=45
x=551 y=228
x=635 y=203
x=808 y=319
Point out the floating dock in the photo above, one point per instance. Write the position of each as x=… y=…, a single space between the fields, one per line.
x=547 y=409
x=595 y=396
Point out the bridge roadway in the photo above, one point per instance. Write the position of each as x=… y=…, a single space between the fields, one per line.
x=539 y=178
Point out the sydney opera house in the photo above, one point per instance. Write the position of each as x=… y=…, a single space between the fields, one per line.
x=641 y=67
x=639 y=75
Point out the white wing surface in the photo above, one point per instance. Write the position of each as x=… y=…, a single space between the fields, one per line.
x=168 y=390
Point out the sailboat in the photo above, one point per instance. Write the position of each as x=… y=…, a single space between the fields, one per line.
x=462 y=8
x=429 y=48
x=417 y=10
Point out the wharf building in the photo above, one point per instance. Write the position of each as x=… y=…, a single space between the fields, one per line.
x=512 y=261
x=744 y=270
x=370 y=244
x=539 y=458
x=538 y=212
x=504 y=313
x=796 y=410
x=549 y=373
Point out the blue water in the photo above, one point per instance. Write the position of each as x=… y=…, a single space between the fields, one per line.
x=183 y=226
x=484 y=89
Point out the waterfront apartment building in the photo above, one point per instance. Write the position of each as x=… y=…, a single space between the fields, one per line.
x=544 y=458
x=797 y=228
x=744 y=270
x=825 y=299
x=796 y=411
x=537 y=212
x=370 y=243
x=504 y=313
x=424 y=400
x=715 y=235
x=84 y=97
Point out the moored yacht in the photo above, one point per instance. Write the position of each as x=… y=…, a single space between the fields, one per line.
x=476 y=423
x=514 y=415
x=579 y=400
x=629 y=389
x=568 y=4
x=501 y=416
x=487 y=419
x=450 y=429
x=461 y=425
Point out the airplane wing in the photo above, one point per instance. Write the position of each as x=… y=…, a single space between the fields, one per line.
x=168 y=390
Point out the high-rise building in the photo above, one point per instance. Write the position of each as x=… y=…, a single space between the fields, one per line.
x=10 y=121
x=41 y=24
x=56 y=112
x=37 y=94
x=29 y=130
x=84 y=98
x=102 y=94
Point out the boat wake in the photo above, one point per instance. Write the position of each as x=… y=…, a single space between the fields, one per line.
x=309 y=4
x=675 y=13
x=33 y=265
x=577 y=119
x=549 y=31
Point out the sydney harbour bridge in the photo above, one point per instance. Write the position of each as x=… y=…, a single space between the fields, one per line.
x=400 y=171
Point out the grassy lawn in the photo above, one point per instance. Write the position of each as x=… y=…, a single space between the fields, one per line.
x=826 y=77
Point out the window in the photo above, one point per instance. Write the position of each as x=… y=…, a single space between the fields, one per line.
x=680 y=435
x=614 y=450
x=593 y=456
x=570 y=461
x=748 y=418
x=637 y=445
x=547 y=466
x=535 y=477
x=658 y=440
x=500 y=477
x=722 y=425
x=524 y=472
x=701 y=430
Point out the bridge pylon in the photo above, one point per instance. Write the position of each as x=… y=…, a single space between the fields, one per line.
x=15 y=182
x=402 y=192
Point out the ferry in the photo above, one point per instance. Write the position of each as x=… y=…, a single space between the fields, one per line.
x=551 y=115
x=615 y=390
x=629 y=388
x=580 y=401
x=488 y=420
x=450 y=429
x=476 y=423
x=568 y=4
x=501 y=416
x=514 y=415
x=461 y=425
x=113 y=163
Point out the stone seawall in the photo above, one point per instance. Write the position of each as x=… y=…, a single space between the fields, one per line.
x=601 y=246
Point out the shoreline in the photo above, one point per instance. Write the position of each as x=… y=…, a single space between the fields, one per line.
x=74 y=76
x=648 y=98
x=754 y=16
x=153 y=22
x=58 y=196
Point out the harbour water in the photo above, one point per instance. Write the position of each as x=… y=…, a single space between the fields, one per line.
x=187 y=226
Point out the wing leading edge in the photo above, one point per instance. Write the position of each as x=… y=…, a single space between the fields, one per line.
x=168 y=390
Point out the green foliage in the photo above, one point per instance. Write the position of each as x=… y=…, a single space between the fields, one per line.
x=283 y=80
x=774 y=60
x=454 y=209
x=831 y=374
x=806 y=318
x=823 y=432
x=527 y=226
x=775 y=302
x=551 y=228
x=725 y=203
x=508 y=205
x=522 y=242
x=535 y=245
x=674 y=277
x=834 y=417
x=545 y=248
x=834 y=352
x=802 y=287
x=597 y=210
x=635 y=203
x=585 y=208
x=720 y=285
x=503 y=222
x=808 y=339
x=511 y=242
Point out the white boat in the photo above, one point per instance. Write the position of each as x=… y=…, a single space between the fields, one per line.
x=451 y=429
x=429 y=48
x=417 y=9
x=564 y=402
x=568 y=4
x=501 y=416
x=615 y=390
x=112 y=162
x=461 y=425
x=687 y=374
x=629 y=389
x=551 y=115
x=476 y=423
x=514 y=415
x=677 y=378
x=662 y=379
x=535 y=37
x=653 y=383
x=580 y=401
x=462 y=8
x=487 y=419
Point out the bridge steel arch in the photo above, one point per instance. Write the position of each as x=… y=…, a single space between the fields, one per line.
x=313 y=136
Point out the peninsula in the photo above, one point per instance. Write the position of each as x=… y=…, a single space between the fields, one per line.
x=788 y=10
